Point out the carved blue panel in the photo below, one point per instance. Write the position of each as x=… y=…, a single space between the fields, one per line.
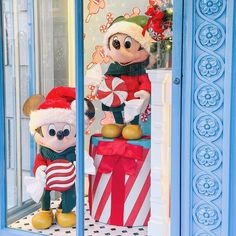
x=208 y=117
x=208 y=46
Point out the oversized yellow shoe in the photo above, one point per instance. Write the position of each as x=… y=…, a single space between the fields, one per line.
x=65 y=220
x=132 y=132
x=42 y=220
x=112 y=130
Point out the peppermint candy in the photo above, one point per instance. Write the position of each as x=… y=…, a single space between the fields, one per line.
x=61 y=175
x=112 y=92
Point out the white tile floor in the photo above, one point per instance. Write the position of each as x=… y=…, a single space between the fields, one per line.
x=92 y=228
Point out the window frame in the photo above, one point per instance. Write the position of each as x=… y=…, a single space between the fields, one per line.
x=176 y=128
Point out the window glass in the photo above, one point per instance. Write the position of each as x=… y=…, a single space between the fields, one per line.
x=114 y=36
x=36 y=60
x=39 y=55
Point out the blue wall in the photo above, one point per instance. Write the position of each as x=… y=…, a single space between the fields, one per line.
x=207 y=73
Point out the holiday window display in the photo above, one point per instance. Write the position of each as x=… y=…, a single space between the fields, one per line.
x=119 y=193
x=52 y=123
x=122 y=161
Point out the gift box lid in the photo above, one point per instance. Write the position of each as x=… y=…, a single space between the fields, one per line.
x=145 y=141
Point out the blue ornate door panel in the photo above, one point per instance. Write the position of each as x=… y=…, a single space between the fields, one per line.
x=232 y=209
x=207 y=75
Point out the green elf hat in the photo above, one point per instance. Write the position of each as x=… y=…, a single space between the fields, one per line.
x=134 y=27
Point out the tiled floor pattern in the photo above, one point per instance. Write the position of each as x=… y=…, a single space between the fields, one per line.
x=92 y=228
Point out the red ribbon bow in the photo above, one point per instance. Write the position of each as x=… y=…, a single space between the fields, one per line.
x=154 y=21
x=119 y=152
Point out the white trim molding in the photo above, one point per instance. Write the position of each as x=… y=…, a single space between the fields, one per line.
x=160 y=152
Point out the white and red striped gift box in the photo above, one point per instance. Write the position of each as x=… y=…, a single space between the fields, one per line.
x=119 y=193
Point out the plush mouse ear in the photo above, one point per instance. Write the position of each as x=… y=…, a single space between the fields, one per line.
x=32 y=104
x=89 y=108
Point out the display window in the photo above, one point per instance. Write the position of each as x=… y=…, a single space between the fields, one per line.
x=90 y=144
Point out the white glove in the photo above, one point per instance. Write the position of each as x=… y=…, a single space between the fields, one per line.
x=145 y=96
x=132 y=108
x=93 y=75
x=95 y=91
x=40 y=173
x=35 y=187
x=88 y=164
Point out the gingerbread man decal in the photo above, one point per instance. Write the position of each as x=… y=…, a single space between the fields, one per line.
x=98 y=57
x=93 y=7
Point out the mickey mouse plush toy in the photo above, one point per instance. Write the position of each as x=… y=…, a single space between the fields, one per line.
x=128 y=45
x=52 y=123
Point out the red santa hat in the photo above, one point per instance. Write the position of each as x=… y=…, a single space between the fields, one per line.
x=58 y=106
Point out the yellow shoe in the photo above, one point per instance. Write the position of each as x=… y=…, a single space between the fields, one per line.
x=132 y=132
x=42 y=220
x=65 y=219
x=112 y=130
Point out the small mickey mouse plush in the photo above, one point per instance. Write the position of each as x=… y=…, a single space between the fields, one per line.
x=128 y=46
x=52 y=123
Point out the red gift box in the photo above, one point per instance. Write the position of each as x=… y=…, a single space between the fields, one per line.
x=119 y=193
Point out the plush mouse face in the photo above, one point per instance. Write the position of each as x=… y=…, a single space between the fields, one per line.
x=125 y=50
x=56 y=136
x=52 y=120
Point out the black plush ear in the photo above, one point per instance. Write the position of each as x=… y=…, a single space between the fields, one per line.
x=89 y=109
x=32 y=104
